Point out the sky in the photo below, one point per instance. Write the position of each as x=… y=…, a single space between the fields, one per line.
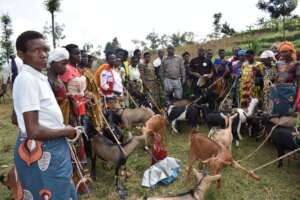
x=99 y=21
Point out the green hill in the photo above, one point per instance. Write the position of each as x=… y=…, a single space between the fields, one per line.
x=256 y=40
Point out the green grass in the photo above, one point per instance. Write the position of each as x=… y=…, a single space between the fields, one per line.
x=275 y=184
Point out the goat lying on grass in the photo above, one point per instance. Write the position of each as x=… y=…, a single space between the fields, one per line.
x=216 y=156
x=197 y=193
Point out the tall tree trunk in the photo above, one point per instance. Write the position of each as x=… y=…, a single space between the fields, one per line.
x=53 y=30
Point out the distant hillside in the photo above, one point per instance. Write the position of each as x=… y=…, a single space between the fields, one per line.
x=258 y=41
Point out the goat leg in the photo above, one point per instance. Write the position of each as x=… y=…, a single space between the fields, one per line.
x=93 y=164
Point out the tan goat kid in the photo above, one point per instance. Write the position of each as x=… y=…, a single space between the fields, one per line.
x=223 y=136
x=197 y=193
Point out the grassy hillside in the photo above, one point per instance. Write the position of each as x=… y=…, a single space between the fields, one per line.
x=256 y=40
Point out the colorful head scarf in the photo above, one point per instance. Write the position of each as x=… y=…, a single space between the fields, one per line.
x=288 y=46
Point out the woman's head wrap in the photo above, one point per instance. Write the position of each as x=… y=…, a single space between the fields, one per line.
x=58 y=54
x=288 y=46
x=267 y=54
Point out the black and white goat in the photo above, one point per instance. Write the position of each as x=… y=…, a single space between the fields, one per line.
x=243 y=115
x=190 y=113
x=220 y=119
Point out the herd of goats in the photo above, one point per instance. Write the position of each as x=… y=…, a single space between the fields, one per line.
x=214 y=149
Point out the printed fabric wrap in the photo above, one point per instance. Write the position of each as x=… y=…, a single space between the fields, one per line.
x=283 y=97
x=50 y=175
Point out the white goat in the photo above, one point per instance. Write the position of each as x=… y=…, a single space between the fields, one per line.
x=223 y=136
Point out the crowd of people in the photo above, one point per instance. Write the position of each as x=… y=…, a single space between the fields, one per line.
x=47 y=108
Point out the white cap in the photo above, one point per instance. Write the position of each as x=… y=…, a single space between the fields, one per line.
x=58 y=54
x=267 y=54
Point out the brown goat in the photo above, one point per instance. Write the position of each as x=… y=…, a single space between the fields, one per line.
x=13 y=184
x=156 y=125
x=215 y=155
x=203 y=183
x=135 y=115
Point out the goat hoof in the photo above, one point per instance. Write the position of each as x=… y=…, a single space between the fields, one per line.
x=237 y=143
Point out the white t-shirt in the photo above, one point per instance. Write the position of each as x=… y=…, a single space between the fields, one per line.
x=118 y=85
x=32 y=92
x=114 y=77
x=6 y=69
x=157 y=62
x=134 y=73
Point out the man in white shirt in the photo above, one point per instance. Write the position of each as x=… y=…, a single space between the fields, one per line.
x=157 y=61
x=42 y=156
x=7 y=68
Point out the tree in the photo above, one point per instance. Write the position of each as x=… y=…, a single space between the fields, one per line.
x=58 y=32
x=88 y=46
x=139 y=44
x=6 y=43
x=52 y=6
x=112 y=46
x=175 y=39
x=163 y=41
x=187 y=37
x=97 y=51
x=278 y=8
x=226 y=30
x=216 y=24
x=115 y=43
x=153 y=38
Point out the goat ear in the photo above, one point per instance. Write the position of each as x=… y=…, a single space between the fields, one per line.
x=215 y=177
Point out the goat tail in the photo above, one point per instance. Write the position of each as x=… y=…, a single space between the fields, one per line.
x=236 y=165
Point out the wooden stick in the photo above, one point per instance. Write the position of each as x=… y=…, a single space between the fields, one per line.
x=265 y=140
x=271 y=162
x=112 y=132
x=131 y=98
x=227 y=95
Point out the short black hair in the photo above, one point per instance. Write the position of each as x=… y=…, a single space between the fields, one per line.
x=220 y=50
x=21 y=42
x=250 y=52
x=70 y=47
x=146 y=53
x=108 y=53
x=186 y=53
x=136 y=52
